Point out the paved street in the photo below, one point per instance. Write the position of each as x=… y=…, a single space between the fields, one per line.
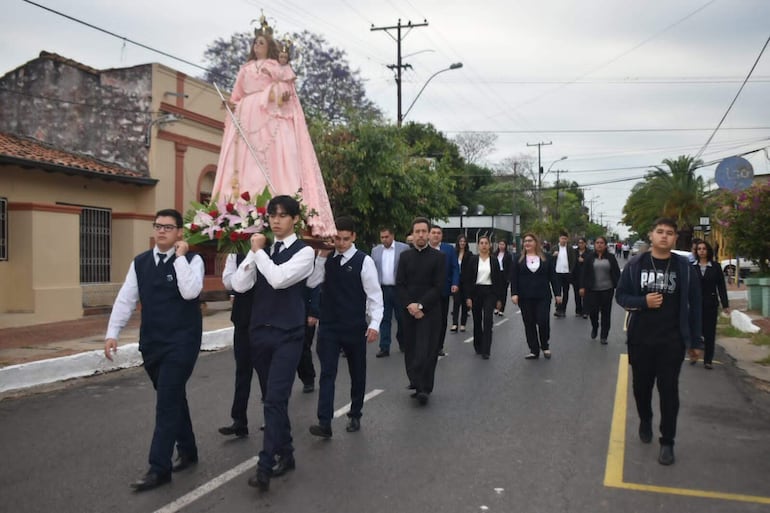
x=502 y=435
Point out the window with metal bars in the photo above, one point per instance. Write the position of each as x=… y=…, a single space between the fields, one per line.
x=95 y=245
x=3 y=228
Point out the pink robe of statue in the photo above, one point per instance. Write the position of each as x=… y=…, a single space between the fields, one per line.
x=278 y=133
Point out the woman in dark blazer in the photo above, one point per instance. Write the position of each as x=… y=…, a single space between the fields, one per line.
x=577 y=276
x=533 y=277
x=459 y=308
x=485 y=285
x=599 y=278
x=713 y=290
x=504 y=260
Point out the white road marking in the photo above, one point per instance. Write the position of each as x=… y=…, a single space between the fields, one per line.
x=236 y=471
x=469 y=340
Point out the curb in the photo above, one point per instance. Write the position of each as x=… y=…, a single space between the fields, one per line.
x=27 y=375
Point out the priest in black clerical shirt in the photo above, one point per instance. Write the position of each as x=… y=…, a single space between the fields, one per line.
x=419 y=281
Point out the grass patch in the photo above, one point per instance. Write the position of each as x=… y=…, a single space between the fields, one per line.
x=760 y=339
x=728 y=330
x=764 y=361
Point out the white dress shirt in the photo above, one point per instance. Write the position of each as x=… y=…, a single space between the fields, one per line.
x=388 y=265
x=484 y=272
x=231 y=265
x=189 y=280
x=369 y=279
x=278 y=276
x=562 y=261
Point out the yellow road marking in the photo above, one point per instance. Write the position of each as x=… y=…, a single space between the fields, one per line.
x=613 y=473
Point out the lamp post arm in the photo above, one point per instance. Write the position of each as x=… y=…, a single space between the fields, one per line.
x=456 y=65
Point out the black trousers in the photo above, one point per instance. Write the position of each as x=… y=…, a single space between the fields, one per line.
x=484 y=302
x=459 y=308
x=444 y=317
x=565 y=281
x=657 y=363
x=305 y=369
x=169 y=374
x=275 y=354
x=330 y=341
x=579 y=302
x=601 y=304
x=244 y=370
x=537 y=327
x=421 y=339
x=709 y=330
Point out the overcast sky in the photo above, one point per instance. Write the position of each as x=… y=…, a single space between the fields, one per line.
x=615 y=85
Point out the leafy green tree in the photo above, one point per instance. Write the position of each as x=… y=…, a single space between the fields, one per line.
x=745 y=217
x=677 y=193
x=372 y=174
x=326 y=85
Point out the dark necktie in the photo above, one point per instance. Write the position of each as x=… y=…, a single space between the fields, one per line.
x=277 y=249
x=161 y=258
x=337 y=259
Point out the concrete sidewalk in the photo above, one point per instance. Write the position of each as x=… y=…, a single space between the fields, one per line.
x=49 y=353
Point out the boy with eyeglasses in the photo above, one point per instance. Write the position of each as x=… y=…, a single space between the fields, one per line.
x=168 y=280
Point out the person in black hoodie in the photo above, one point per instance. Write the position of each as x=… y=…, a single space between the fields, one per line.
x=600 y=275
x=533 y=277
x=660 y=291
x=713 y=290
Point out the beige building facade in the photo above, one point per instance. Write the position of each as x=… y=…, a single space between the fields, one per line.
x=86 y=159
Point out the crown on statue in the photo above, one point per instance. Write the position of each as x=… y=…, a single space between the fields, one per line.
x=285 y=45
x=264 y=28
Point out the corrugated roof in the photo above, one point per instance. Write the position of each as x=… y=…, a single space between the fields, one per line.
x=29 y=152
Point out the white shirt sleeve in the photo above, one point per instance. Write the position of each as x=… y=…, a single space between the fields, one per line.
x=319 y=273
x=246 y=275
x=230 y=268
x=125 y=304
x=289 y=273
x=189 y=276
x=374 y=302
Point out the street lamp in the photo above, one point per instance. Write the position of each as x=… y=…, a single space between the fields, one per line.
x=456 y=65
x=463 y=212
x=540 y=177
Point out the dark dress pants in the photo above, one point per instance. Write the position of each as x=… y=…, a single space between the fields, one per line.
x=305 y=369
x=330 y=341
x=275 y=354
x=169 y=374
x=244 y=370
x=484 y=302
x=661 y=363
x=579 y=302
x=421 y=352
x=564 y=279
x=709 y=330
x=537 y=327
x=459 y=309
x=601 y=303
x=390 y=309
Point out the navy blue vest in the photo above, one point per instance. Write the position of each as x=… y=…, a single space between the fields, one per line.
x=282 y=308
x=242 y=302
x=343 y=298
x=168 y=320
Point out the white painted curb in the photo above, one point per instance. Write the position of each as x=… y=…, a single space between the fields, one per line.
x=25 y=375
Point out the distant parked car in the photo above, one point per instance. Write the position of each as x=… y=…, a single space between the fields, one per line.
x=637 y=247
x=747 y=266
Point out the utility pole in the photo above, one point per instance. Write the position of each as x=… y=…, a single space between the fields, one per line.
x=398 y=66
x=557 y=192
x=539 y=170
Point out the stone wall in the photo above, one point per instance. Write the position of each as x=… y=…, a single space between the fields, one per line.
x=76 y=108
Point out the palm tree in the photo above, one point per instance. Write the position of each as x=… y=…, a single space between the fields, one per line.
x=676 y=192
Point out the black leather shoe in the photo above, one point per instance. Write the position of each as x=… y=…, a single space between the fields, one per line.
x=184 y=461
x=410 y=387
x=284 y=465
x=594 y=333
x=261 y=480
x=422 y=398
x=382 y=354
x=307 y=388
x=354 y=425
x=666 y=456
x=485 y=357
x=235 y=429
x=442 y=352
x=603 y=341
x=322 y=431
x=151 y=480
x=645 y=431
